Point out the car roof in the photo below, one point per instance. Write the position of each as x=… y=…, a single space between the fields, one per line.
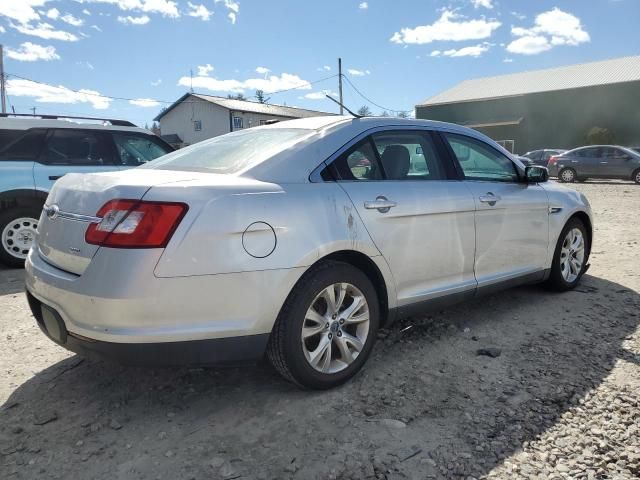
x=27 y=123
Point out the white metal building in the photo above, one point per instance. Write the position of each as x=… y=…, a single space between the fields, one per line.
x=195 y=117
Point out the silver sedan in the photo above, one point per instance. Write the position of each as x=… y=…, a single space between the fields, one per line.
x=298 y=240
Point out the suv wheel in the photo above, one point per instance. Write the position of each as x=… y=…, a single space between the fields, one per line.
x=17 y=232
x=326 y=328
x=567 y=175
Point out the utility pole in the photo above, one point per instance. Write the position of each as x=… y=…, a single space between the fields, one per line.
x=33 y=109
x=2 y=86
x=191 y=76
x=340 y=85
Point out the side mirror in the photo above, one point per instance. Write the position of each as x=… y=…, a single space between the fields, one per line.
x=536 y=174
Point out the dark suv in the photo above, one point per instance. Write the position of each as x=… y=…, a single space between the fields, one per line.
x=35 y=152
x=597 y=161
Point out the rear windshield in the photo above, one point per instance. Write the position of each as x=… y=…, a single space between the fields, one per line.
x=231 y=153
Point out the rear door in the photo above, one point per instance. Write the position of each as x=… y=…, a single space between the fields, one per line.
x=68 y=150
x=420 y=217
x=512 y=217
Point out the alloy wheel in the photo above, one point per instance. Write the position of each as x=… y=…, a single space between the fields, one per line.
x=18 y=236
x=572 y=255
x=568 y=175
x=335 y=328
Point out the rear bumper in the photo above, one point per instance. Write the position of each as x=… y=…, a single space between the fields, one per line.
x=118 y=309
x=193 y=352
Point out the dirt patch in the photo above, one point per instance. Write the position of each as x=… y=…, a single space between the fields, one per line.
x=557 y=400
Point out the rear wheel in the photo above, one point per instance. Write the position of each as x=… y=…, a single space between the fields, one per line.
x=326 y=328
x=570 y=257
x=567 y=175
x=636 y=176
x=17 y=232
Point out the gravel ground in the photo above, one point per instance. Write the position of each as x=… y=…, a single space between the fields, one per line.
x=559 y=401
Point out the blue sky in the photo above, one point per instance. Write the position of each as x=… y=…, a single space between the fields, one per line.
x=397 y=53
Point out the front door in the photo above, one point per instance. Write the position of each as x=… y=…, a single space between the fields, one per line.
x=512 y=218
x=73 y=151
x=419 y=217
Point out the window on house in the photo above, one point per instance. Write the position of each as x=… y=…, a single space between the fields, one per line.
x=197 y=125
x=237 y=122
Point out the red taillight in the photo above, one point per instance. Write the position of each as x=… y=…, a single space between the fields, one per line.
x=553 y=160
x=135 y=224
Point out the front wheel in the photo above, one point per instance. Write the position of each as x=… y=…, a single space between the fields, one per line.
x=326 y=328
x=636 y=176
x=570 y=257
x=17 y=232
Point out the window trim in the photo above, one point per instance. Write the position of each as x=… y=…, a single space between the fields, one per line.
x=460 y=170
x=432 y=132
x=197 y=125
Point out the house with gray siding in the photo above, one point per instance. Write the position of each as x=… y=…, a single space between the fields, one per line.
x=195 y=117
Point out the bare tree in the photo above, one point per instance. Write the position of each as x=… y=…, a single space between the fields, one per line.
x=238 y=96
x=364 y=111
x=260 y=97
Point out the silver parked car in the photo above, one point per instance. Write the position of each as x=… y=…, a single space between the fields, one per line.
x=298 y=239
x=597 y=161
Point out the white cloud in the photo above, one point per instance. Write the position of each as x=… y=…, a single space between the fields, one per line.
x=363 y=6
x=96 y=27
x=88 y=65
x=31 y=52
x=529 y=45
x=144 y=102
x=53 y=13
x=86 y=12
x=358 y=73
x=519 y=16
x=166 y=8
x=18 y=87
x=472 y=51
x=233 y=7
x=199 y=11
x=262 y=70
x=156 y=83
x=22 y=11
x=507 y=60
x=270 y=84
x=44 y=30
x=319 y=95
x=482 y=3
x=447 y=28
x=551 y=28
x=435 y=53
x=129 y=20
x=325 y=68
x=71 y=20
x=2 y=29
x=204 y=70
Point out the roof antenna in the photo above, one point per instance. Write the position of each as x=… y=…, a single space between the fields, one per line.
x=336 y=101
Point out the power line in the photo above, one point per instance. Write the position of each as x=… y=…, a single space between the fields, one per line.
x=152 y=99
x=369 y=100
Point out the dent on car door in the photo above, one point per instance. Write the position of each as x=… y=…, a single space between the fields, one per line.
x=421 y=221
x=512 y=217
x=73 y=151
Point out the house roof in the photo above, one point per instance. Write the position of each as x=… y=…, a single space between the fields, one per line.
x=617 y=70
x=248 y=106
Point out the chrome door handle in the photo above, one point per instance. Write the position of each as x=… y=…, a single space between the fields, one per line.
x=381 y=203
x=604 y=162
x=490 y=198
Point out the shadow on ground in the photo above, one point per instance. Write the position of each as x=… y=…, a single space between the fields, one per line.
x=11 y=280
x=464 y=414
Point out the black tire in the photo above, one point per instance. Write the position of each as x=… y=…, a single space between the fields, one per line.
x=556 y=281
x=285 y=351
x=6 y=218
x=635 y=176
x=567 y=171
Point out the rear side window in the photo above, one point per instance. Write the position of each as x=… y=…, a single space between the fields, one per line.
x=481 y=162
x=358 y=163
x=77 y=147
x=25 y=146
x=136 y=149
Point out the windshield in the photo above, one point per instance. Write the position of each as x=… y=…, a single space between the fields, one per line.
x=231 y=153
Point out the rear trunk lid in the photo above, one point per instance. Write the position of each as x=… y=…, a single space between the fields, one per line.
x=73 y=203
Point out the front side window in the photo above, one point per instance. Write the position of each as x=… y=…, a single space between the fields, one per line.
x=231 y=153
x=138 y=149
x=616 y=154
x=481 y=162
x=237 y=123
x=77 y=147
x=25 y=146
